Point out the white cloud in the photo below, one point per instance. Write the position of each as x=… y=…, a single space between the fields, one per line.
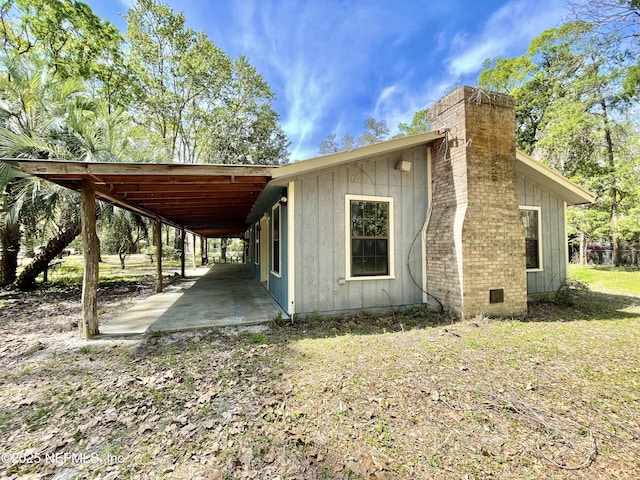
x=307 y=94
x=319 y=55
x=471 y=60
x=127 y=3
x=514 y=25
x=385 y=97
x=402 y=102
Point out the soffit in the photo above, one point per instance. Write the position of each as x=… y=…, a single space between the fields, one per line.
x=210 y=200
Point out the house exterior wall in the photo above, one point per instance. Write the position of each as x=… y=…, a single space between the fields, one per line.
x=475 y=242
x=554 y=241
x=320 y=234
x=277 y=284
x=457 y=229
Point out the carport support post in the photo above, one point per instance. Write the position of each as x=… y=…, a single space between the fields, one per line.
x=91 y=253
x=158 y=242
x=182 y=242
x=193 y=237
x=203 y=247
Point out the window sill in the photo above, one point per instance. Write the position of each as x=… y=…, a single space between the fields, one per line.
x=533 y=270
x=378 y=277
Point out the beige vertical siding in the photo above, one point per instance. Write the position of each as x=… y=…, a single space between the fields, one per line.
x=320 y=234
x=554 y=242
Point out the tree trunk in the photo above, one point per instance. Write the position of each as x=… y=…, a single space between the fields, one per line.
x=613 y=189
x=10 y=241
x=617 y=252
x=122 y=254
x=583 y=249
x=27 y=279
x=29 y=224
x=223 y=249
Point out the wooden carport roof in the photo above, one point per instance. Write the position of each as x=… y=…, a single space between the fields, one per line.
x=209 y=200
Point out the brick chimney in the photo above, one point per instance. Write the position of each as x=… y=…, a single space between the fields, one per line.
x=475 y=242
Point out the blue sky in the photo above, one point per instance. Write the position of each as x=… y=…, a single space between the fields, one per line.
x=334 y=63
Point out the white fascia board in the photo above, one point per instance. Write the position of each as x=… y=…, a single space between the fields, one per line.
x=570 y=192
x=282 y=174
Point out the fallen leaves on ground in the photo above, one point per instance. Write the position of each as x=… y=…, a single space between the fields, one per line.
x=407 y=396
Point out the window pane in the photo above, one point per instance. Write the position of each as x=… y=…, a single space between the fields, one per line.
x=382 y=266
x=357 y=218
x=383 y=219
x=532 y=242
x=357 y=247
x=369 y=247
x=530 y=223
x=275 y=242
x=532 y=254
x=276 y=224
x=276 y=256
x=357 y=269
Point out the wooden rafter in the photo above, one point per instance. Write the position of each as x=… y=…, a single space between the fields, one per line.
x=204 y=199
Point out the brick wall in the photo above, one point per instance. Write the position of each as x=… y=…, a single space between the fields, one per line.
x=475 y=240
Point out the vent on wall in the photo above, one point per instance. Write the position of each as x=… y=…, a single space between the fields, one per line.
x=496 y=296
x=403 y=165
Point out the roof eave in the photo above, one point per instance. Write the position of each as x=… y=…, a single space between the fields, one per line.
x=570 y=192
x=285 y=172
x=38 y=167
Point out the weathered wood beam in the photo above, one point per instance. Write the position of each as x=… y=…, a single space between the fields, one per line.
x=203 y=250
x=174 y=195
x=182 y=242
x=133 y=188
x=193 y=237
x=195 y=202
x=201 y=208
x=104 y=194
x=91 y=252
x=157 y=233
x=212 y=180
x=57 y=167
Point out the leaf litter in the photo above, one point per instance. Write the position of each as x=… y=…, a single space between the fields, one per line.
x=411 y=396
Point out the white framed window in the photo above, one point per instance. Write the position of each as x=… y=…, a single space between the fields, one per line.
x=369 y=237
x=276 y=252
x=532 y=224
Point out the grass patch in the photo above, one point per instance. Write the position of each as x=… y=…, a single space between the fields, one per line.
x=69 y=273
x=619 y=280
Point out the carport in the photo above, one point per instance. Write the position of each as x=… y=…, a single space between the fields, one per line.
x=221 y=296
x=205 y=200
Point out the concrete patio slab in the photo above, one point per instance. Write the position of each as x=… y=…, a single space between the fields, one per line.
x=220 y=296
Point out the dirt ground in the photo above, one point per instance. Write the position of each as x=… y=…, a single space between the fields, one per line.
x=49 y=319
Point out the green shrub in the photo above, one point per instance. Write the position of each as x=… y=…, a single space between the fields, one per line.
x=573 y=293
